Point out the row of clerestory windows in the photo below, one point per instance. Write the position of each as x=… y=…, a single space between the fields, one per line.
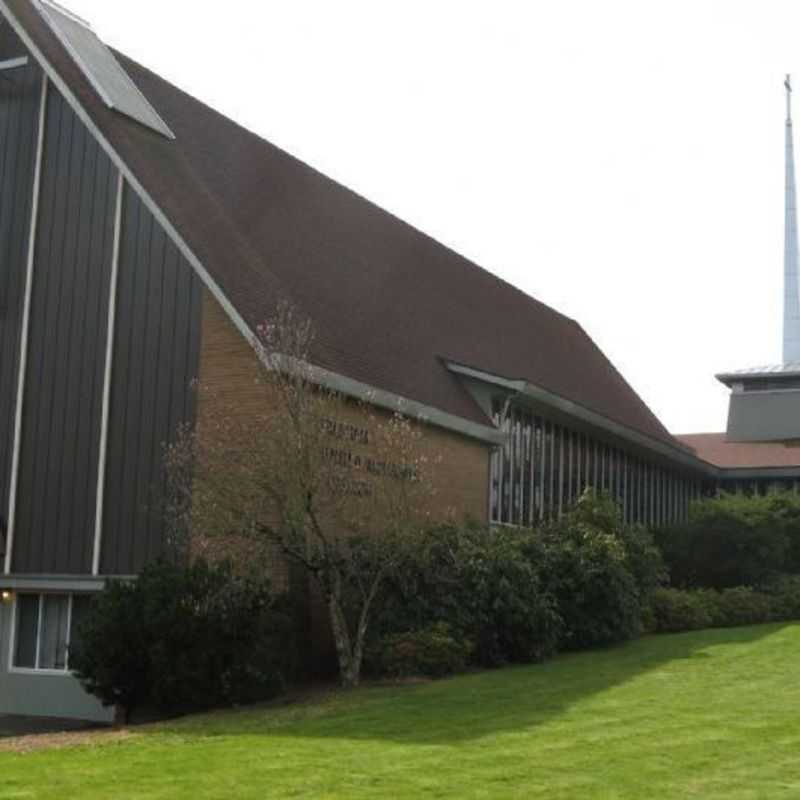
x=545 y=466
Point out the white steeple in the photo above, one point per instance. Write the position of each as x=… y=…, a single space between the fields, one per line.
x=791 y=265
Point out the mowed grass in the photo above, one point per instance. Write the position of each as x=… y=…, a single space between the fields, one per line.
x=714 y=714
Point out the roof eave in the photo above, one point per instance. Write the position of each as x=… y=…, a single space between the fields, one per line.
x=678 y=453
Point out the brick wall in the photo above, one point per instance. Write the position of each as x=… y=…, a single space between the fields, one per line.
x=461 y=473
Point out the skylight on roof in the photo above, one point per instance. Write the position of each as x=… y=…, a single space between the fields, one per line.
x=100 y=67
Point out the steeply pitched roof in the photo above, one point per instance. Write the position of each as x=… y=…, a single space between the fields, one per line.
x=714 y=448
x=388 y=301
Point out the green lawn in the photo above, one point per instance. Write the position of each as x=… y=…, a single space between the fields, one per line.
x=714 y=714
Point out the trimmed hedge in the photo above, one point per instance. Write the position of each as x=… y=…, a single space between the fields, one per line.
x=676 y=610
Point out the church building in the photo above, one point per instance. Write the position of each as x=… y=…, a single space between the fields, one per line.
x=144 y=238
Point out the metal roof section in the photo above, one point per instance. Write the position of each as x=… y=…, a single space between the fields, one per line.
x=790 y=370
x=100 y=67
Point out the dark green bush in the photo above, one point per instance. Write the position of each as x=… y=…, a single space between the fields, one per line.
x=600 y=571
x=180 y=638
x=110 y=655
x=519 y=595
x=734 y=540
x=676 y=610
x=741 y=605
x=482 y=584
x=643 y=559
x=784 y=595
x=433 y=652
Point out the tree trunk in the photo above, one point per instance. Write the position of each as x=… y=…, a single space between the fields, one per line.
x=122 y=715
x=349 y=652
x=349 y=661
x=363 y=621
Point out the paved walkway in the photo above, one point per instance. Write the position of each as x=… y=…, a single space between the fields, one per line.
x=14 y=725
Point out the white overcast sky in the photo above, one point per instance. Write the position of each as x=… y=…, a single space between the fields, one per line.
x=620 y=161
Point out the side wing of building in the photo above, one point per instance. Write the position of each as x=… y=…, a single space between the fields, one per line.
x=100 y=328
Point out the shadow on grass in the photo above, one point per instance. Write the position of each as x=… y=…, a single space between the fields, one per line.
x=486 y=703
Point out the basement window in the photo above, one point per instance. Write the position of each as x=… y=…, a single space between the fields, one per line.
x=44 y=627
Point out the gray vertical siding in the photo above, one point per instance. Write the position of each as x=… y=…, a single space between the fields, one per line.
x=63 y=390
x=155 y=349
x=156 y=355
x=20 y=92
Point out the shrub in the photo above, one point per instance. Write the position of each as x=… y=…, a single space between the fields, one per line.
x=181 y=638
x=783 y=509
x=643 y=559
x=110 y=655
x=432 y=651
x=519 y=595
x=784 y=594
x=734 y=540
x=600 y=572
x=742 y=605
x=676 y=610
x=480 y=582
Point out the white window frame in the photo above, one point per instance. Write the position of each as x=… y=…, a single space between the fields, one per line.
x=66 y=672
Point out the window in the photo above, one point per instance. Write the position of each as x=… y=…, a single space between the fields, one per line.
x=543 y=468
x=43 y=626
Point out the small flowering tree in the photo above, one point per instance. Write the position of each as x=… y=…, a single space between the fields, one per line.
x=339 y=489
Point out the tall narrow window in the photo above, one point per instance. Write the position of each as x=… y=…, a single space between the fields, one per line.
x=579 y=465
x=616 y=476
x=538 y=466
x=519 y=470
x=513 y=473
x=547 y=472
x=27 y=631
x=557 y=476
x=506 y=482
x=569 y=471
x=527 y=469
x=496 y=468
x=54 y=631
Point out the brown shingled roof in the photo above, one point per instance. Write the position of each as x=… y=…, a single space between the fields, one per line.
x=714 y=448
x=388 y=301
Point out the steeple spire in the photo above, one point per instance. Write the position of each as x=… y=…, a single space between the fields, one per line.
x=791 y=264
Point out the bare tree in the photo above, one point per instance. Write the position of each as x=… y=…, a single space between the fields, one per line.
x=338 y=488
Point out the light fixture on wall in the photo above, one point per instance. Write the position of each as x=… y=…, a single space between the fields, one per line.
x=6 y=595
